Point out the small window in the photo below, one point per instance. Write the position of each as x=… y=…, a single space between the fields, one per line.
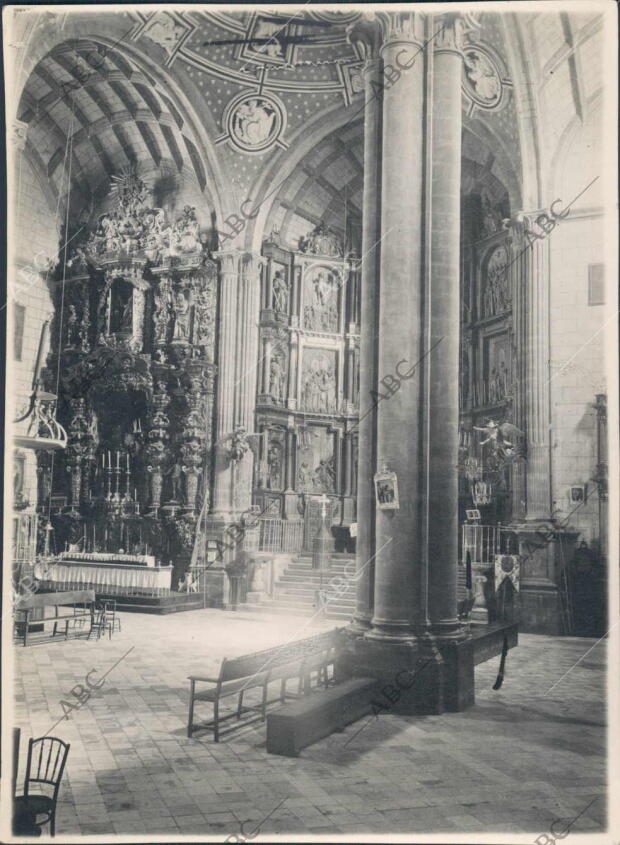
x=19 y=314
x=596 y=284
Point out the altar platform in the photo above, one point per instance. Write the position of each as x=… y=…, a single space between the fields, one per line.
x=136 y=583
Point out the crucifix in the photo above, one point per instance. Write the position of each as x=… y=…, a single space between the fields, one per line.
x=323 y=501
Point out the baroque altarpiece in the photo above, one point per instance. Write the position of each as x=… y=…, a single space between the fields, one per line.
x=133 y=366
x=308 y=384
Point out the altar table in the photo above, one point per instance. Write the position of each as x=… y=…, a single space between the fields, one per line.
x=123 y=578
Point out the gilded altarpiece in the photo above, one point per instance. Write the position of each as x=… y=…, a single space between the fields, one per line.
x=308 y=379
x=488 y=377
x=133 y=349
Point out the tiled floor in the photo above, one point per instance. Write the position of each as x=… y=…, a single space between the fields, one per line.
x=522 y=757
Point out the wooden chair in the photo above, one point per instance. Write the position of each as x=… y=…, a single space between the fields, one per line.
x=100 y=622
x=109 y=606
x=47 y=757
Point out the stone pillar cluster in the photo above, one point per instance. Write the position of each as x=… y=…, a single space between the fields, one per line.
x=409 y=357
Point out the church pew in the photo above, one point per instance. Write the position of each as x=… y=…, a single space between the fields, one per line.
x=297 y=659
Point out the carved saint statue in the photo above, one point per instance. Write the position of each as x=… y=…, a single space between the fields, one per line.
x=280 y=293
x=181 y=317
x=276 y=379
x=275 y=466
x=161 y=314
x=176 y=476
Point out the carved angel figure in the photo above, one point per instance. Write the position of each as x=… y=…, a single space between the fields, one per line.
x=506 y=439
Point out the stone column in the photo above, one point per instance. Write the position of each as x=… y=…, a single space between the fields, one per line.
x=443 y=327
x=266 y=362
x=537 y=410
x=368 y=37
x=247 y=371
x=400 y=303
x=291 y=401
x=229 y=306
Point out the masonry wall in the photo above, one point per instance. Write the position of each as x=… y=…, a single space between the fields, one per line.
x=36 y=237
x=577 y=336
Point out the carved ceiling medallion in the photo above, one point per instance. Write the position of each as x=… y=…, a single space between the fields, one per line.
x=482 y=80
x=254 y=123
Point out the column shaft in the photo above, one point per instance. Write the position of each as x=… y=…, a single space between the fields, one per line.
x=442 y=364
x=400 y=338
x=538 y=478
x=370 y=274
x=222 y=494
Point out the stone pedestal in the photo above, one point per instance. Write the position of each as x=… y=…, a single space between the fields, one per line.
x=544 y=549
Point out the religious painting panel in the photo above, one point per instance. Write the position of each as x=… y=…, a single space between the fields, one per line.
x=319 y=390
x=496 y=376
x=316 y=463
x=495 y=290
x=322 y=284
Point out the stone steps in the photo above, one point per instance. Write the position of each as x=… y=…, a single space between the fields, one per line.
x=295 y=591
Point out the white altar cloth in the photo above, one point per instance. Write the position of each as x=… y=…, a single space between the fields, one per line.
x=110 y=577
x=107 y=557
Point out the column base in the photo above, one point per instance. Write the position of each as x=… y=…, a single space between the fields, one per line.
x=391 y=631
x=360 y=625
x=448 y=629
x=428 y=676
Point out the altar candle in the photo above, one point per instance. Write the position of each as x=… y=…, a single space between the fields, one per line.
x=127 y=461
x=103 y=460
x=109 y=460
x=118 y=460
x=135 y=494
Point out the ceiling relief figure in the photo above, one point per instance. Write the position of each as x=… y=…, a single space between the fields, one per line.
x=321 y=300
x=165 y=32
x=481 y=78
x=254 y=123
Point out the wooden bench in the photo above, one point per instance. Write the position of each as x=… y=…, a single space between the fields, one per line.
x=298 y=659
x=303 y=722
x=465 y=596
x=81 y=602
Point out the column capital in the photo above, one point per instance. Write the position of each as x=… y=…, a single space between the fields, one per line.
x=449 y=29
x=401 y=27
x=229 y=259
x=252 y=262
x=18 y=133
x=367 y=36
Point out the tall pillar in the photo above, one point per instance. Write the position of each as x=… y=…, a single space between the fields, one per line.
x=397 y=538
x=544 y=545
x=537 y=410
x=247 y=372
x=443 y=327
x=223 y=486
x=368 y=37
